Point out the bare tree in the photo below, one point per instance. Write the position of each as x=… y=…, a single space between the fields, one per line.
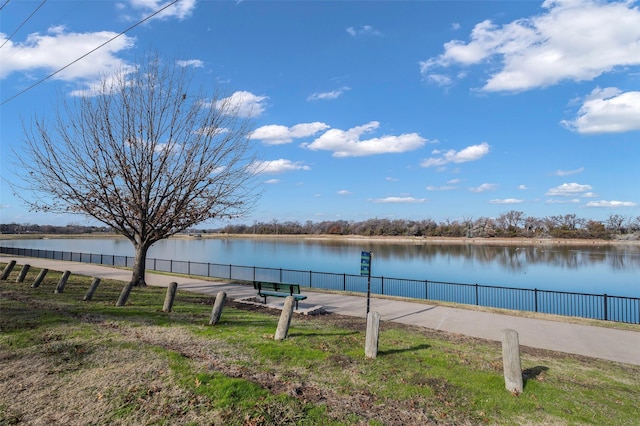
x=144 y=154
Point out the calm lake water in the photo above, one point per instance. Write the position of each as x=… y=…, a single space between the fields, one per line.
x=614 y=270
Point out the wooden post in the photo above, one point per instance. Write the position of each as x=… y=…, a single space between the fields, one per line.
x=7 y=270
x=511 y=361
x=92 y=289
x=285 y=319
x=23 y=273
x=124 y=294
x=62 y=282
x=170 y=296
x=373 y=331
x=39 y=278
x=216 y=312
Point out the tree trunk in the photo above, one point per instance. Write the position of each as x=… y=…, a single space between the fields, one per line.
x=139 y=265
x=137 y=278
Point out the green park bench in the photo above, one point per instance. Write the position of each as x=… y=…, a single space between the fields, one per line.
x=266 y=289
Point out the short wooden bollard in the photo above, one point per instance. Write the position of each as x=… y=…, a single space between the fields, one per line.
x=62 y=282
x=373 y=331
x=216 y=312
x=511 y=361
x=23 y=273
x=7 y=270
x=170 y=296
x=39 y=278
x=124 y=294
x=285 y=319
x=92 y=289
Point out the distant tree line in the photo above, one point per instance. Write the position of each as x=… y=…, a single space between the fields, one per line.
x=16 y=228
x=510 y=224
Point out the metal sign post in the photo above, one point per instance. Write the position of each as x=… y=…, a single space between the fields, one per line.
x=365 y=270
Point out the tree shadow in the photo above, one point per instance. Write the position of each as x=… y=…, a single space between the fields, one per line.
x=532 y=373
x=401 y=350
x=321 y=334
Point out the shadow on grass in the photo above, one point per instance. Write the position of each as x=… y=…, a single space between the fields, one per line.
x=402 y=350
x=348 y=333
x=533 y=373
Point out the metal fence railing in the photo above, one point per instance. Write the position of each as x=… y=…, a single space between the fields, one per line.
x=585 y=305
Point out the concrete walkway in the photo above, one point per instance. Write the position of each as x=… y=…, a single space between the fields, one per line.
x=597 y=342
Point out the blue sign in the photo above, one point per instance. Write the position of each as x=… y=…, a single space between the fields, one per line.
x=365 y=263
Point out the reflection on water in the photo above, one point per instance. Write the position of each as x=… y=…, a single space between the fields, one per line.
x=608 y=269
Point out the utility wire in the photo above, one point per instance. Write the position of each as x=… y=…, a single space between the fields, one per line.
x=23 y=22
x=5 y=3
x=88 y=53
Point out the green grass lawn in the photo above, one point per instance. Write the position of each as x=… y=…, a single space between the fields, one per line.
x=65 y=361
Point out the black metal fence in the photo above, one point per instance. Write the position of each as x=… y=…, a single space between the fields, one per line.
x=585 y=305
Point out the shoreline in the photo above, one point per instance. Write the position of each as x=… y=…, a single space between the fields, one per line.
x=516 y=241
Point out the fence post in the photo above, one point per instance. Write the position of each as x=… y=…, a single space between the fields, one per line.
x=254 y=272
x=170 y=296
x=62 y=282
x=229 y=271
x=382 y=285
x=535 y=296
x=23 y=273
x=426 y=289
x=171 y=265
x=92 y=289
x=188 y=267
x=39 y=278
x=371 y=338
x=7 y=270
x=310 y=278
x=511 y=361
x=476 y=294
x=344 y=282
x=606 y=313
x=216 y=312
x=285 y=319
x=280 y=274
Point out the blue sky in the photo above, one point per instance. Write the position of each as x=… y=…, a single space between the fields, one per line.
x=411 y=110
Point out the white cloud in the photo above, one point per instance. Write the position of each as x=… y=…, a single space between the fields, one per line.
x=610 y=204
x=484 y=187
x=196 y=63
x=522 y=187
x=556 y=201
x=57 y=48
x=408 y=200
x=568 y=172
x=391 y=179
x=365 y=30
x=279 y=166
x=272 y=181
x=348 y=144
x=440 y=188
x=181 y=10
x=324 y=96
x=506 y=201
x=344 y=192
x=570 y=40
x=568 y=190
x=243 y=104
x=274 y=134
x=607 y=110
x=470 y=153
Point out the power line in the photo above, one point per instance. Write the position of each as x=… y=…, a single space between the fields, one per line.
x=88 y=53
x=5 y=3
x=23 y=22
